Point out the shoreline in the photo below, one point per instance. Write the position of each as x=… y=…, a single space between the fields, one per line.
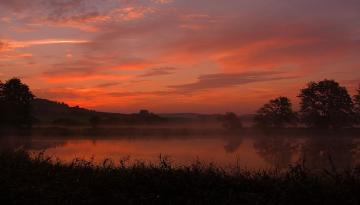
x=169 y=131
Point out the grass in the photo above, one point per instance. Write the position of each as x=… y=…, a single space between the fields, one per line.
x=41 y=180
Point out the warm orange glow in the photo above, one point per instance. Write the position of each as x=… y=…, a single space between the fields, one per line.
x=177 y=56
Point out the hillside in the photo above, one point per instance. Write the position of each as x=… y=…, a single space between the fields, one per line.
x=51 y=112
x=47 y=111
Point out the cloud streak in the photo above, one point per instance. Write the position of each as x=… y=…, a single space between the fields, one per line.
x=158 y=72
x=6 y=45
x=80 y=14
x=131 y=53
x=223 y=80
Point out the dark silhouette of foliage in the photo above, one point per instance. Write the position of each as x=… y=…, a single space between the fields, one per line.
x=15 y=103
x=94 y=121
x=26 y=179
x=357 y=104
x=326 y=104
x=144 y=113
x=231 y=121
x=144 y=116
x=276 y=114
x=66 y=122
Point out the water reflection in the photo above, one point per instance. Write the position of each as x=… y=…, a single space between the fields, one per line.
x=277 y=151
x=261 y=152
x=232 y=144
x=330 y=152
x=29 y=143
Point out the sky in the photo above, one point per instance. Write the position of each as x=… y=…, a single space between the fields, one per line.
x=204 y=56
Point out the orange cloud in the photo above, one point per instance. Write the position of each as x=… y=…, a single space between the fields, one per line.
x=229 y=54
x=22 y=44
x=133 y=64
x=82 y=78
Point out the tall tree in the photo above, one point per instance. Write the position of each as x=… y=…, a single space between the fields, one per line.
x=326 y=104
x=276 y=114
x=15 y=103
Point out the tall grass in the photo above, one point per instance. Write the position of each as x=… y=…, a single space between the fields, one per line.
x=41 y=180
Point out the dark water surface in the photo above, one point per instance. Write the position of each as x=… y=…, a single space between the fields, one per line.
x=264 y=152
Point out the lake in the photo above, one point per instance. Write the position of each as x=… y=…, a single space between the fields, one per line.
x=261 y=152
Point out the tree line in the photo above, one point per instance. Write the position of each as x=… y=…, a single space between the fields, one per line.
x=324 y=104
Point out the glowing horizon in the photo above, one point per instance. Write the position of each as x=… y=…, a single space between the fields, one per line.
x=171 y=56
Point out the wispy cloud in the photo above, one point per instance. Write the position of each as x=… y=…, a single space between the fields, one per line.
x=141 y=94
x=109 y=84
x=162 y=1
x=4 y=46
x=158 y=71
x=223 y=80
x=127 y=49
x=12 y=44
x=81 y=14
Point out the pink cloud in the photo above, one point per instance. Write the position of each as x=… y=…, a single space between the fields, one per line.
x=214 y=45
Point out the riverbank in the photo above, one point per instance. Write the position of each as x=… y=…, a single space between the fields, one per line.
x=164 y=131
x=25 y=180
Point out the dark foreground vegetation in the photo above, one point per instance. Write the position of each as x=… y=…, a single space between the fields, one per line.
x=39 y=180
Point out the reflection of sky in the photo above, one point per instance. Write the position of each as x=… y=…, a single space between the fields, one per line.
x=179 y=151
x=247 y=152
x=177 y=55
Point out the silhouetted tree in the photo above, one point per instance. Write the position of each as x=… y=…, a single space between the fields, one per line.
x=357 y=105
x=94 y=121
x=231 y=121
x=276 y=114
x=15 y=103
x=144 y=113
x=326 y=104
x=144 y=116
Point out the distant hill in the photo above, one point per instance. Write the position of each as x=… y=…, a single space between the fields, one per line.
x=47 y=111
x=180 y=115
x=51 y=112
x=48 y=107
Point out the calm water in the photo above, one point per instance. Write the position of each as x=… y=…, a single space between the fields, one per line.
x=249 y=152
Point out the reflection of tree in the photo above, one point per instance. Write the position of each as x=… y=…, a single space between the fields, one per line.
x=325 y=152
x=277 y=151
x=232 y=144
x=231 y=121
x=28 y=143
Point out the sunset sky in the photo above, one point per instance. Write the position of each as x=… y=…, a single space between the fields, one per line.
x=206 y=56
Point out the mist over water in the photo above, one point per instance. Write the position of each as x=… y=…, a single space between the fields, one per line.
x=250 y=152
